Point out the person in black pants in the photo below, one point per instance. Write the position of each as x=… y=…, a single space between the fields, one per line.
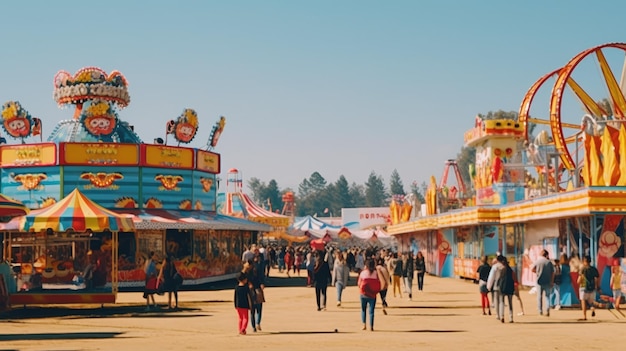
x=420 y=267
x=322 y=275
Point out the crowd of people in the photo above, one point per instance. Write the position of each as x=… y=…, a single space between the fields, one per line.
x=379 y=270
x=327 y=267
x=500 y=280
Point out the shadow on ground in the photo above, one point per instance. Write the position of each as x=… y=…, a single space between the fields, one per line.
x=111 y=311
x=58 y=336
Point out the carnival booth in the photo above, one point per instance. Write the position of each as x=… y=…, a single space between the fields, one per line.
x=562 y=189
x=72 y=246
x=165 y=193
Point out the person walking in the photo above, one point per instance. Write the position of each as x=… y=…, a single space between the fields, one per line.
x=288 y=261
x=383 y=275
x=243 y=302
x=495 y=274
x=408 y=271
x=171 y=281
x=555 y=297
x=310 y=269
x=545 y=279
x=396 y=267
x=321 y=277
x=588 y=281
x=483 y=275
x=150 y=287
x=369 y=287
x=420 y=267
x=256 y=283
x=507 y=288
x=616 y=284
x=341 y=272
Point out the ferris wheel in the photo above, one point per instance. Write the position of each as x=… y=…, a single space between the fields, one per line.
x=585 y=94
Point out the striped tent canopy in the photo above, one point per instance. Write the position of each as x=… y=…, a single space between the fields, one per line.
x=240 y=205
x=77 y=212
x=308 y=223
x=11 y=208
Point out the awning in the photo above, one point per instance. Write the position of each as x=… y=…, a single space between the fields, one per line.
x=201 y=220
x=76 y=212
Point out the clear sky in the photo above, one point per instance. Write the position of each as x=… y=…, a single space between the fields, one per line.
x=339 y=87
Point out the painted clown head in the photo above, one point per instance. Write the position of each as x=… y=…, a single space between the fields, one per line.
x=15 y=120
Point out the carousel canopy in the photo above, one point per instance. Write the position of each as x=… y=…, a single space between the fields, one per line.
x=77 y=212
x=11 y=208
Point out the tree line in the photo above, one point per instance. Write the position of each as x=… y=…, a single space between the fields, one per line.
x=315 y=195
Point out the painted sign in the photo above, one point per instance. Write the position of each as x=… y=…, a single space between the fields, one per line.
x=365 y=217
x=27 y=155
x=116 y=187
x=167 y=156
x=99 y=154
x=208 y=161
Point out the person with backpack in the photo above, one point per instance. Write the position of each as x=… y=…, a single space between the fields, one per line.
x=507 y=288
x=369 y=287
x=588 y=281
x=545 y=280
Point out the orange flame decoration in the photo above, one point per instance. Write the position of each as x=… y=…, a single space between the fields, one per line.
x=101 y=179
x=30 y=181
x=169 y=182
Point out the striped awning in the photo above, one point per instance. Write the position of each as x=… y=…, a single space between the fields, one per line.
x=77 y=212
x=11 y=208
x=160 y=219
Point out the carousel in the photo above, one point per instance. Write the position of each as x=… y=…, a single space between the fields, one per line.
x=85 y=208
x=554 y=179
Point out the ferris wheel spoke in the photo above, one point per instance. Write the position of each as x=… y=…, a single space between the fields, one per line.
x=617 y=97
x=589 y=104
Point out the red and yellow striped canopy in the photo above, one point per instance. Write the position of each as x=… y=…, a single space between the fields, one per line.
x=77 y=212
x=11 y=208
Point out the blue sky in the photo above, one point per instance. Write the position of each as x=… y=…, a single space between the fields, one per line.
x=338 y=87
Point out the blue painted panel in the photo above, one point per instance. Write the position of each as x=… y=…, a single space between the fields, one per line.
x=110 y=187
x=171 y=188
x=15 y=184
x=204 y=191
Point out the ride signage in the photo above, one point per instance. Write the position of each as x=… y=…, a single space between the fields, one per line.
x=99 y=154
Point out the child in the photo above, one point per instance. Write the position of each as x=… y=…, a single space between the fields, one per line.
x=243 y=302
x=616 y=284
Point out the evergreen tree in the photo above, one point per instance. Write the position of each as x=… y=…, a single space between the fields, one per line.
x=273 y=196
x=375 y=192
x=395 y=184
x=342 y=198
x=357 y=194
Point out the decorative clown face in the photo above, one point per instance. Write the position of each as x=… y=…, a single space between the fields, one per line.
x=17 y=127
x=185 y=132
x=100 y=125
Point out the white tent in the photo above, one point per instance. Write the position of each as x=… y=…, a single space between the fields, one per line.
x=310 y=223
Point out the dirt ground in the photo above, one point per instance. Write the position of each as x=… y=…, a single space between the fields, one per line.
x=445 y=316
